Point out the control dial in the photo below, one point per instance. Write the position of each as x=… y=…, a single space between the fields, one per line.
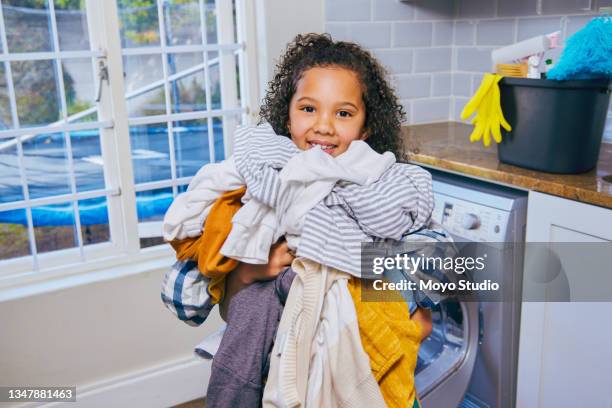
x=470 y=221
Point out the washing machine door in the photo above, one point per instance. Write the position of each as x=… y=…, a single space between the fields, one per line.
x=447 y=357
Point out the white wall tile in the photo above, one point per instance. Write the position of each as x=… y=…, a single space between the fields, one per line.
x=474 y=59
x=413 y=86
x=464 y=32
x=443 y=33
x=435 y=9
x=338 y=31
x=396 y=61
x=347 y=10
x=530 y=27
x=413 y=34
x=495 y=32
x=371 y=35
x=393 y=10
x=431 y=110
x=432 y=59
x=442 y=84
x=459 y=105
x=476 y=81
x=462 y=85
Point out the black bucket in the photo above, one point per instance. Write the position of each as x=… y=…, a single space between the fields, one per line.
x=557 y=126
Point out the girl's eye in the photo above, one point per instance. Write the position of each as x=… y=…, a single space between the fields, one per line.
x=308 y=109
x=344 y=114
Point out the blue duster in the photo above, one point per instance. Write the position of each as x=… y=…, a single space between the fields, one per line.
x=587 y=54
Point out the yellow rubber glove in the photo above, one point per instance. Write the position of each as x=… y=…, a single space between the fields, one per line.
x=489 y=116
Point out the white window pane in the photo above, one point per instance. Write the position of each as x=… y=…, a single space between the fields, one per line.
x=36 y=92
x=139 y=22
x=79 y=85
x=54 y=227
x=46 y=164
x=141 y=73
x=10 y=181
x=215 y=79
x=187 y=94
x=27 y=25
x=151 y=207
x=142 y=70
x=218 y=138
x=210 y=18
x=190 y=146
x=149 y=103
x=13 y=234
x=94 y=220
x=6 y=120
x=71 y=20
x=150 y=152
x=87 y=160
x=182 y=22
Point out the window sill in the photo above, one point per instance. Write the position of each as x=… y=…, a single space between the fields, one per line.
x=99 y=270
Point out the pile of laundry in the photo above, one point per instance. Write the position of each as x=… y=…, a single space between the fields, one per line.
x=325 y=207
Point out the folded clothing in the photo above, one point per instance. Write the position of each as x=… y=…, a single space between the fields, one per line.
x=186 y=215
x=317 y=343
x=205 y=249
x=325 y=208
x=391 y=339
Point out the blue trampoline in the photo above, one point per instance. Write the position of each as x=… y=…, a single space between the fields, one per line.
x=93 y=212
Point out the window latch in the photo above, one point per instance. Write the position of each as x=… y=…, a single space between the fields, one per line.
x=102 y=76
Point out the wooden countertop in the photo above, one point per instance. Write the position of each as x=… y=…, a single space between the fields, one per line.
x=446 y=146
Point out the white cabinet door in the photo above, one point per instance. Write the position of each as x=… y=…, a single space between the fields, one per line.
x=565 y=351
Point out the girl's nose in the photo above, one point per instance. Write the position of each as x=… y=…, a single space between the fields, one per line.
x=324 y=125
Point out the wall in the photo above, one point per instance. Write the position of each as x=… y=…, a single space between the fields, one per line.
x=280 y=21
x=437 y=50
x=111 y=339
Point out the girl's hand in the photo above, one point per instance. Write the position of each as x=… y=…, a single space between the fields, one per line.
x=280 y=257
x=423 y=316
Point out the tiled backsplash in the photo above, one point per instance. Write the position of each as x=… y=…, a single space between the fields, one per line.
x=437 y=50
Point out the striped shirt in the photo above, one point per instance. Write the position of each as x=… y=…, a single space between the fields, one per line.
x=399 y=202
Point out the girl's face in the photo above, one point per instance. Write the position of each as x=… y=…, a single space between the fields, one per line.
x=327 y=110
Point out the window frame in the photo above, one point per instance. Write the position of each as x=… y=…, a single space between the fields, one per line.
x=82 y=264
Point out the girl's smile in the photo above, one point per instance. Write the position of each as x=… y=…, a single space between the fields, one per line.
x=327 y=110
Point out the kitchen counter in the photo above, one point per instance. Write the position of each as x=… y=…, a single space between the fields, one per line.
x=446 y=146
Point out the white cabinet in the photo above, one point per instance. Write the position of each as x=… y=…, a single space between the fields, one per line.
x=565 y=351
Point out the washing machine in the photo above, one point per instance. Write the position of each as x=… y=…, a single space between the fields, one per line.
x=470 y=358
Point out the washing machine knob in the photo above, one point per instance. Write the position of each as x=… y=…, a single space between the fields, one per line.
x=470 y=221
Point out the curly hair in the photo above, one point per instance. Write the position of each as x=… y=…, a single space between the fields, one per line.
x=384 y=113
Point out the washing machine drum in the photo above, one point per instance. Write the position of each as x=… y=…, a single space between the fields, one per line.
x=447 y=357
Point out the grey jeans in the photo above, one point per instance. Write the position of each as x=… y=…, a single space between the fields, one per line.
x=242 y=362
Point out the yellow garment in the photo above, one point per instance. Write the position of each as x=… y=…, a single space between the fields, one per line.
x=391 y=339
x=489 y=117
x=205 y=248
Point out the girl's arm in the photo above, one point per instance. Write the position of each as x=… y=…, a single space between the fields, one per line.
x=423 y=316
x=280 y=257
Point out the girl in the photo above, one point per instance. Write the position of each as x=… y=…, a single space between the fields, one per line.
x=325 y=94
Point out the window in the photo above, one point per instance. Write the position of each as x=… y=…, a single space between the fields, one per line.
x=72 y=189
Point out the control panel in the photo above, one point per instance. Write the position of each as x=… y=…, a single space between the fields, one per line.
x=474 y=222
